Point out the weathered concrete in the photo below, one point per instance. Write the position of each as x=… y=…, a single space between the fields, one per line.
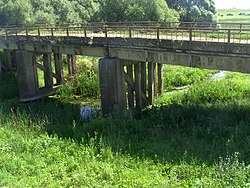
x=58 y=68
x=231 y=63
x=0 y=65
x=112 y=85
x=48 y=75
x=7 y=60
x=27 y=79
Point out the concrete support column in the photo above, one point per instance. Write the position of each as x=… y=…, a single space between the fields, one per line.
x=112 y=85
x=27 y=75
x=7 y=61
x=58 y=68
x=48 y=75
x=0 y=65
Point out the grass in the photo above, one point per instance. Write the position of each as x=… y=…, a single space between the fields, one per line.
x=198 y=137
x=235 y=17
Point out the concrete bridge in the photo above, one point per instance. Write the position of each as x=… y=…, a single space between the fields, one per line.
x=131 y=55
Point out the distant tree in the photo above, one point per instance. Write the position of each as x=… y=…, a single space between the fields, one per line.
x=194 y=10
x=111 y=10
x=136 y=10
x=85 y=9
x=15 y=12
x=43 y=12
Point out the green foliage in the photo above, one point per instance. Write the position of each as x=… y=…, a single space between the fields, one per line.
x=15 y=12
x=177 y=76
x=86 y=83
x=183 y=141
x=139 y=10
x=194 y=10
x=46 y=12
x=9 y=87
x=222 y=90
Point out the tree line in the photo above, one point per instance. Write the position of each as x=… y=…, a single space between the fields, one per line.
x=76 y=11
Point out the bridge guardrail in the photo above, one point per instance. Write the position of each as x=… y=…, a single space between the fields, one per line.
x=219 y=25
x=189 y=34
x=140 y=30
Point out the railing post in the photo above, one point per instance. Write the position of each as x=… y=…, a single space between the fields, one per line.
x=67 y=30
x=228 y=40
x=16 y=34
x=27 y=34
x=85 y=32
x=52 y=32
x=158 y=37
x=106 y=31
x=39 y=34
x=130 y=32
x=190 y=39
x=229 y=36
x=6 y=34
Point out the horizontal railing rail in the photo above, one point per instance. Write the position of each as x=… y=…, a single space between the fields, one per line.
x=219 y=25
x=187 y=39
x=241 y=36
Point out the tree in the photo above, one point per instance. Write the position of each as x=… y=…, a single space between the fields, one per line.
x=136 y=10
x=15 y=12
x=194 y=10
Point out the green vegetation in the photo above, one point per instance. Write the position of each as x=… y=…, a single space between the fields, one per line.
x=233 y=15
x=195 y=137
x=81 y=11
x=87 y=82
x=194 y=10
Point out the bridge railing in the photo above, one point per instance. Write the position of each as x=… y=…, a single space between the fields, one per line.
x=241 y=36
x=219 y=25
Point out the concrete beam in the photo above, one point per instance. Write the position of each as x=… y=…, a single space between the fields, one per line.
x=236 y=64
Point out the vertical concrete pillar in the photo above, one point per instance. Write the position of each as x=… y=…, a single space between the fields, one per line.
x=131 y=96
x=0 y=65
x=71 y=60
x=27 y=77
x=7 y=61
x=138 y=86
x=48 y=75
x=112 y=85
x=160 y=79
x=58 y=68
x=151 y=82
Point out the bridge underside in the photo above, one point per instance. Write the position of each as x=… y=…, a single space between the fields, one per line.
x=136 y=63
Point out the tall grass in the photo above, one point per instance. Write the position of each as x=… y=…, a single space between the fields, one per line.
x=187 y=139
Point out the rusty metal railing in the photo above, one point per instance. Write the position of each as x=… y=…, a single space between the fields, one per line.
x=186 y=39
x=241 y=36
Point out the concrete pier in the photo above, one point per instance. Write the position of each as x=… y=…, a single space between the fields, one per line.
x=27 y=79
x=112 y=85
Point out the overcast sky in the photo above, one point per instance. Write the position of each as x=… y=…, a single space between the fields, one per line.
x=228 y=4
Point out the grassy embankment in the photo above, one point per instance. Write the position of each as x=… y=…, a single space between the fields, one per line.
x=196 y=137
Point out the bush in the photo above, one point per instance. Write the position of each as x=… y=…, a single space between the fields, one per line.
x=87 y=80
x=212 y=91
x=176 y=76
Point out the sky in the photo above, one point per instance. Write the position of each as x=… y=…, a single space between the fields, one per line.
x=228 y=4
